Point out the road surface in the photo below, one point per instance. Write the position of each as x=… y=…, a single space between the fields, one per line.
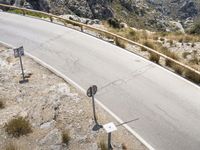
x=167 y=106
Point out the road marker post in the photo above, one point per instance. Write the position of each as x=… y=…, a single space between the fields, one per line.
x=19 y=52
x=92 y=90
x=110 y=127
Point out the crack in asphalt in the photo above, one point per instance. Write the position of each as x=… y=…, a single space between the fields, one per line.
x=130 y=77
x=162 y=110
x=50 y=40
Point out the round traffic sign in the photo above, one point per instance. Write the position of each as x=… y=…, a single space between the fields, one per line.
x=92 y=91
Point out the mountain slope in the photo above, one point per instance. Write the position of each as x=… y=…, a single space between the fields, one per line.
x=149 y=14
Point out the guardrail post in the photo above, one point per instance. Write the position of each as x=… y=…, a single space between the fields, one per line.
x=51 y=19
x=23 y=12
x=81 y=28
x=115 y=39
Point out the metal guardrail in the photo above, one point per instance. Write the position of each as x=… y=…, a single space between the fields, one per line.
x=108 y=34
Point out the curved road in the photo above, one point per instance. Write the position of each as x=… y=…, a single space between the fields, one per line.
x=130 y=86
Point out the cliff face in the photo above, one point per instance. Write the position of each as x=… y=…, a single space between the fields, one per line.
x=181 y=9
x=85 y=8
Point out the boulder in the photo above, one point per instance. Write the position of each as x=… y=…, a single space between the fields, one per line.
x=52 y=139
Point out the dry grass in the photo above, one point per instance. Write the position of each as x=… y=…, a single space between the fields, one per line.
x=194 y=60
x=185 y=54
x=154 y=57
x=192 y=76
x=171 y=42
x=2 y=104
x=130 y=34
x=11 y=146
x=103 y=145
x=65 y=137
x=150 y=44
x=172 y=55
x=124 y=147
x=150 y=40
x=120 y=43
x=18 y=126
x=178 y=69
x=176 y=36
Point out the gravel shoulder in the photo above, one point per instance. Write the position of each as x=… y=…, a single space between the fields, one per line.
x=51 y=105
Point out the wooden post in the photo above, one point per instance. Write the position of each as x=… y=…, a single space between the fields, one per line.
x=51 y=19
x=23 y=12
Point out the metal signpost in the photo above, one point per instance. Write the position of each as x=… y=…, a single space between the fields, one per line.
x=110 y=127
x=90 y=93
x=19 y=52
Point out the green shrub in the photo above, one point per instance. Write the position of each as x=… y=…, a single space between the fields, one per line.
x=1 y=104
x=113 y=22
x=195 y=29
x=155 y=38
x=162 y=39
x=154 y=57
x=133 y=35
x=185 y=54
x=181 y=40
x=191 y=75
x=65 y=137
x=171 y=43
x=18 y=126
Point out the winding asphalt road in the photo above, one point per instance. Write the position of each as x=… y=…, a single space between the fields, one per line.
x=130 y=86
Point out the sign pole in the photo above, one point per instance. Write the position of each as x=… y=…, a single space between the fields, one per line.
x=20 y=58
x=90 y=93
x=19 y=52
x=93 y=104
x=109 y=141
x=110 y=127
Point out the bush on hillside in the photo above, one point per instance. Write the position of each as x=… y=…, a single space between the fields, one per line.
x=113 y=22
x=18 y=126
x=154 y=57
x=195 y=29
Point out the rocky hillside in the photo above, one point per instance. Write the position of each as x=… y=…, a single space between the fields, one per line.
x=150 y=14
